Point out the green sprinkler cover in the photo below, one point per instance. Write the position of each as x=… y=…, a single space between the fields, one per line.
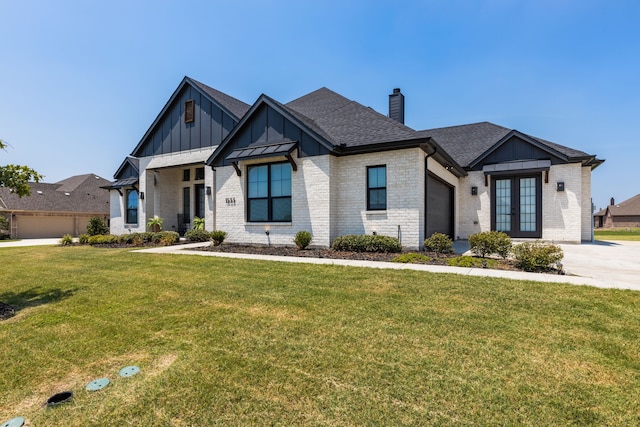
x=14 y=422
x=129 y=371
x=98 y=384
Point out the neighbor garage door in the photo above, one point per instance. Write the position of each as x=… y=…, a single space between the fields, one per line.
x=37 y=227
x=439 y=207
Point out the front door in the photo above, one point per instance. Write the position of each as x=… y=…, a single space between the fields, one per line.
x=517 y=205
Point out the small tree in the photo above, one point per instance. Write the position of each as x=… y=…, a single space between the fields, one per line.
x=97 y=226
x=155 y=224
x=16 y=178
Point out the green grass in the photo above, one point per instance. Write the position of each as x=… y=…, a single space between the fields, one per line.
x=238 y=342
x=629 y=234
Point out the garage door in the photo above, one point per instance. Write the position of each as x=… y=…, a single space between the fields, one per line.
x=38 y=227
x=439 y=207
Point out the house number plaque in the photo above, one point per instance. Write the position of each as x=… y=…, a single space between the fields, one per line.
x=231 y=201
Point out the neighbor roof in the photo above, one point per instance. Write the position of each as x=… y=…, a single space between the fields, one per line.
x=80 y=193
x=630 y=207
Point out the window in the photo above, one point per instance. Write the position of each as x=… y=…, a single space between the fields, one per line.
x=189 y=111
x=132 y=206
x=269 y=193
x=376 y=188
x=199 y=202
x=186 y=175
x=186 y=204
x=199 y=173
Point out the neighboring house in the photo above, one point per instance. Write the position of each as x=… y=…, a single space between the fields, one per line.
x=625 y=214
x=53 y=210
x=331 y=166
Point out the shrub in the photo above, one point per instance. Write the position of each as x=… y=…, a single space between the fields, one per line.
x=217 y=237
x=168 y=238
x=302 y=239
x=366 y=243
x=537 y=256
x=471 y=262
x=490 y=242
x=439 y=243
x=4 y=223
x=66 y=240
x=198 y=223
x=197 y=235
x=83 y=239
x=412 y=258
x=102 y=239
x=97 y=226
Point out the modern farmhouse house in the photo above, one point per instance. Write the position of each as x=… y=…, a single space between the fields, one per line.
x=331 y=166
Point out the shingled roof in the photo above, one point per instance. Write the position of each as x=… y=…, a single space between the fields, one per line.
x=235 y=106
x=348 y=122
x=80 y=193
x=466 y=142
x=630 y=207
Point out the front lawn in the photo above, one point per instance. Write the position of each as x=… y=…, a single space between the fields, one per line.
x=237 y=342
x=617 y=234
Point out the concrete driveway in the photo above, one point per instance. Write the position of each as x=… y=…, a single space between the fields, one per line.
x=614 y=264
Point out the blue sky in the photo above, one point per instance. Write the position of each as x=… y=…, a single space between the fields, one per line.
x=81 y=81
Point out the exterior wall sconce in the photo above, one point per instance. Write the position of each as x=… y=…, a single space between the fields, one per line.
x=142 y=195
x=474 y=191
x=208 y=191
x=560 y=186
x=266 y=232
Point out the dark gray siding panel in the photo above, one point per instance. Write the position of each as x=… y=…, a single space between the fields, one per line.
x=275 y=123
x=171 y=134
x=259 y=126
x=517 y=149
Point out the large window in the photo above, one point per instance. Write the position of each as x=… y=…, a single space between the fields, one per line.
x=132 y=206
x=376 y=188
x=269 y=193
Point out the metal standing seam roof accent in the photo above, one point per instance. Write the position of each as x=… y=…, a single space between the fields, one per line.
x=260 y=151
x=127 y=182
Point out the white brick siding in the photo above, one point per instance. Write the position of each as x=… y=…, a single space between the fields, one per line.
x=474 y=213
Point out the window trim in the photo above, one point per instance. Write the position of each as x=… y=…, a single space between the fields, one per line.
x=137 y=208
x=369 y=208
x=269 y=197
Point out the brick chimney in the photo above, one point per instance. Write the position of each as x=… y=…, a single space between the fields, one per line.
x=396 y=106
x=613 y=202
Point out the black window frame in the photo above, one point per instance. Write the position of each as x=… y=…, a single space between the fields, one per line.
x=132 y=211
x=199 y=174
x=270 y=199
x=186 y=175
x=370 y=188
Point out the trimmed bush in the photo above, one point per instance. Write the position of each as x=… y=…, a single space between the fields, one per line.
x=97 y=226
x=103 y=239
x=66 y=240
x=167 y=238
x=302 y=239
x=490 y=242
x=83 y=239
x=412 y=258
x=537 y=256
x=217 y=237
x=366 y=243
x=197 y=235
x=439 y=243
x=471 y=262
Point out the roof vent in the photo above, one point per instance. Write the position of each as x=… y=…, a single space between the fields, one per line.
x=396 y=106
x=39 y=192
x=67 y=194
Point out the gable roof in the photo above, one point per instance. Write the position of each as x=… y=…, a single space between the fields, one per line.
x=80 y=193
x=468 y=144
x=347 y=122
x=630 y=207
x=228 y=104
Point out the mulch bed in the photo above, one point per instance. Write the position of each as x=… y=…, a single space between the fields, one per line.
x=6 y=311
x=436 y=259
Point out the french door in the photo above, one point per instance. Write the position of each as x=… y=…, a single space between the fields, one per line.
x=517 y=205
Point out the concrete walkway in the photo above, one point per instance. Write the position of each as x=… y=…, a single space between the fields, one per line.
x=578 y=263
x=601 y=264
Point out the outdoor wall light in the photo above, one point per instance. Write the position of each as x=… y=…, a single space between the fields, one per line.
x=266 y=232
x=474 y=191
x=560 y=186
x=142 y=195
x=208 y=191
